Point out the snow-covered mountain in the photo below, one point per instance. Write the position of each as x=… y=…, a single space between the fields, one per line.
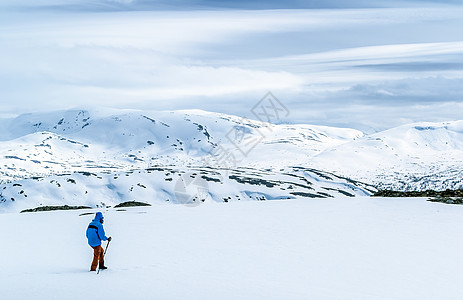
x=416 y=156
x=104 y=156
x=46 y=144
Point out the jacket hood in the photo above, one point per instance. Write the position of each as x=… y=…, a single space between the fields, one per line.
x=98 y=217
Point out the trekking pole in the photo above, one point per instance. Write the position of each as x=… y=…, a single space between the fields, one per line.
x=104 y=253
x=106 y=248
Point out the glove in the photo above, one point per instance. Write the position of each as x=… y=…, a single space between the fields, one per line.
x=109 y=239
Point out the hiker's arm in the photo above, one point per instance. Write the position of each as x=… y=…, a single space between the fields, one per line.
x=103 y=234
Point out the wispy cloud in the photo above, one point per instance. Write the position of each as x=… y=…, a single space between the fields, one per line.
x=332 y=66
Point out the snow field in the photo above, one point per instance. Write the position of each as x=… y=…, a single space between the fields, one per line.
x=343 y=248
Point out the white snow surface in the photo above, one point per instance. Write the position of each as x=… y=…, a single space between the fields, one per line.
x=342 y=248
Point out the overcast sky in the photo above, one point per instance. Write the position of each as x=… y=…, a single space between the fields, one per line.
x=364 y=64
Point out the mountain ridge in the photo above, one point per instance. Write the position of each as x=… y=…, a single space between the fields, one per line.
x=237 y=153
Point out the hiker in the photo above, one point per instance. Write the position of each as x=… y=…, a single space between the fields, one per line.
x=95 y=234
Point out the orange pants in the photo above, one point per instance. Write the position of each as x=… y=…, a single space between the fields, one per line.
x=98 y=255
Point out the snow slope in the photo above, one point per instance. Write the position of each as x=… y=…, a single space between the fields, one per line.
x=187 y=186
x=410 y=157
x=355 y=248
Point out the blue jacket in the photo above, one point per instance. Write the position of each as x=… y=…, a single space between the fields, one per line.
x=95 y=231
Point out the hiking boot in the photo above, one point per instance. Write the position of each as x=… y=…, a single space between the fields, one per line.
x=103 y=267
